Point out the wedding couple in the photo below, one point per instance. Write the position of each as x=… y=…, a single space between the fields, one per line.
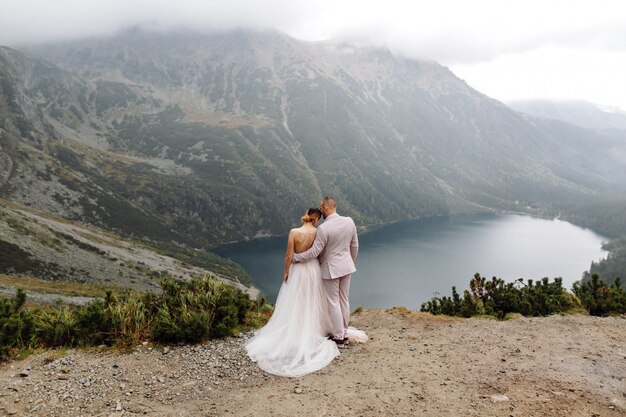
x=310 y=320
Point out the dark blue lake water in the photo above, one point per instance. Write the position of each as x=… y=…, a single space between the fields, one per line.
x=404 y=264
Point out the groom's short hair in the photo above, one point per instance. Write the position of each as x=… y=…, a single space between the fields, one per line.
x=329 y=202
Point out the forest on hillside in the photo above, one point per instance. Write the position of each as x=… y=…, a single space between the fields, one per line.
x=608 y=218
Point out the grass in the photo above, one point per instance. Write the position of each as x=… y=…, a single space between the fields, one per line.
x=256 y=319
x=72 y=289
x=105 y=238
x=357 y=310
x=416 y=314
x=512 y=316
x=40 y=236
x=53 y=354
x=26 y=352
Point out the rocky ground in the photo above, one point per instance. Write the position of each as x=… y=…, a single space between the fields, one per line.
x=414 y=364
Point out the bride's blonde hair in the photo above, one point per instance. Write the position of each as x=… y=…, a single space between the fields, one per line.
x=311 y=215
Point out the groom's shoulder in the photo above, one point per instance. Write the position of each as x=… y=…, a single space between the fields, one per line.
x=348 y=219
x=350 y=224
x=345 y=222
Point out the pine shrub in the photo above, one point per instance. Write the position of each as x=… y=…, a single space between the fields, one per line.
x=94 y=323
x=186 y=311
x=498 y=298
x=16 y=324
x=194 y=310
x=601 y=299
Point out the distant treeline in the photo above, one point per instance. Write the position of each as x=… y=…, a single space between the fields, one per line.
x=614 y=266
x=608 y=218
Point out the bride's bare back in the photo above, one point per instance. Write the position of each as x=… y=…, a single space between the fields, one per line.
x=300 y=239
x=303 y=238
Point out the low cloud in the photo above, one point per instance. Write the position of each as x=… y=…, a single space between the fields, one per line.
x=492 y=44
x=448 y=31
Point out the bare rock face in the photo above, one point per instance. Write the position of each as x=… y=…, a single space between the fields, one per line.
x=6 y=166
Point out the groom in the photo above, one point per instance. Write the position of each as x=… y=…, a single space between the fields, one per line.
x=336 y=245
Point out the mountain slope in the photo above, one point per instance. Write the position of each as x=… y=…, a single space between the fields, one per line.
x=204 y=139
x=37 y=244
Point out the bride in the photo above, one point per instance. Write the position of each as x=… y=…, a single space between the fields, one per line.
x=293 y=342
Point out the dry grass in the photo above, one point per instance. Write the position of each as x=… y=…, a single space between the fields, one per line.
x=73 y=289
x=414 y=314
x=27 y=213
x=103 y=238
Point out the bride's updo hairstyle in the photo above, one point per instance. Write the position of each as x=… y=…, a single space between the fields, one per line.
x=311 y=215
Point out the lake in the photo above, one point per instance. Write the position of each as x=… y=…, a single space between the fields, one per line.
x=406 y=263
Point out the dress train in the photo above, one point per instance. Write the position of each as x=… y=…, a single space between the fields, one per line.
x=293 y=342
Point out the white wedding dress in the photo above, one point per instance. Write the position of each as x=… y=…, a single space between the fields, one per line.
x=293 y=342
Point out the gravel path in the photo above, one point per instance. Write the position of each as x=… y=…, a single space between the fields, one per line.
x=414 y=364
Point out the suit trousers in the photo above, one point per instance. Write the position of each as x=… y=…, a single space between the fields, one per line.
x=337 y=293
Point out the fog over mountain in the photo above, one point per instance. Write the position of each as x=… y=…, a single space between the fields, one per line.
x=576 y=112
x=518 y=49
x=209 y=138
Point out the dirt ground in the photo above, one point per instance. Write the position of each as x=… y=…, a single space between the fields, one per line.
x=414 y=365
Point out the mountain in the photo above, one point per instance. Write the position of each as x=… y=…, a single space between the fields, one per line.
x=33 y=243
x=576 y=112
x=193 y=140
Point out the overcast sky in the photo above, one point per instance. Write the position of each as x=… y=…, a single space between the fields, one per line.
x=507 y=49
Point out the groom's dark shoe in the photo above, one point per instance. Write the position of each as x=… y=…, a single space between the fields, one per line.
x=340 y=342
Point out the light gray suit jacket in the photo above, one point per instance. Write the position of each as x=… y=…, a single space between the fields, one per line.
x=336 y=244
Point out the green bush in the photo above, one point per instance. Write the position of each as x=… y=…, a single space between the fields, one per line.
x=16 y=324
x=194 y=310
x=57 y=327
x=185 y=311
x=601 y=299
x=129 y=318
x=497 y=298
x=94 y=323
x=119 y=319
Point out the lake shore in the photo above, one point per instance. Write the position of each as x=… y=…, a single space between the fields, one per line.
x=425 y=257
x=414 y=364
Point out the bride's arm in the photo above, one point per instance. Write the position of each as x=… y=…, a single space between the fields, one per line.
x=290 y=248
